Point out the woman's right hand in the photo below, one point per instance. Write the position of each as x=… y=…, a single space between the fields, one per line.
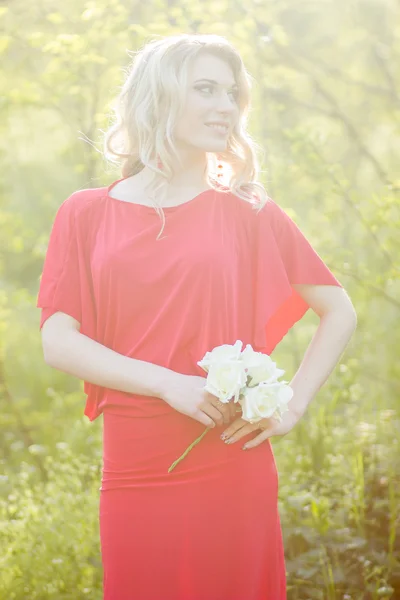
x=187 y=395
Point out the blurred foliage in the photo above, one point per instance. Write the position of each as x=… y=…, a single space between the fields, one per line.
x=326 y=109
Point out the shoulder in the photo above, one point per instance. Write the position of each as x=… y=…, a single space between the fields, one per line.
x=80 y=214
x=272 y=213
x=82 y=202
x=257 y=210
x=266 y=220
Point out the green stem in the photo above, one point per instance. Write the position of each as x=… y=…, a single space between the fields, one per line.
x=192 y=445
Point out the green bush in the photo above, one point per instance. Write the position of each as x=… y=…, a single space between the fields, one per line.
x=339 y=495
x=49 y=536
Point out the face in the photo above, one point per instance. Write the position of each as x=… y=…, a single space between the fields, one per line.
x=207 y=102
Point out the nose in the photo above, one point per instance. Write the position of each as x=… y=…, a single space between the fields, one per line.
x=225 y=103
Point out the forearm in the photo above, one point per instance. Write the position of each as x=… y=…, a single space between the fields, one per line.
x=90 y=361
x=322 y=355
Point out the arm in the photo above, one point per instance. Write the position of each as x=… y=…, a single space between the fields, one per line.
x=338 y=321
x=68 y=350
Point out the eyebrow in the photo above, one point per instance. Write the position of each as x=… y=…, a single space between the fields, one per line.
x=235 y=85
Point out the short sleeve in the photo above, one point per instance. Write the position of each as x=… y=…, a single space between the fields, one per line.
x=60 y=283
x=66 y=282
x=284 y=257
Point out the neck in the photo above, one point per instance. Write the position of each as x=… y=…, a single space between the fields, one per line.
x=192 y=176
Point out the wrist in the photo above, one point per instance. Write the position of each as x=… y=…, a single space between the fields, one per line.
x=298 y=407
x=166 y=380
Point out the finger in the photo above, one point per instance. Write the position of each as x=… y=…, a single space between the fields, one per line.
x=225 y=411
x=237 y=426
x=213 y=412
x=227 y=416
x=203 y=418
x=259 y=439
x=238 y=435
x=232 y=410
x=223 y=408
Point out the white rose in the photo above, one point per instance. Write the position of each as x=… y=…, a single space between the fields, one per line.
x=222 y=353
x=260 y=367
x=265 y=401
x=226 y=379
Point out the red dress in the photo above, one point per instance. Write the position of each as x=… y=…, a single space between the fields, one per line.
x=222 y=272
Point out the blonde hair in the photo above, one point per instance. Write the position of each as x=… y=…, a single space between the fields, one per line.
x=150 y=103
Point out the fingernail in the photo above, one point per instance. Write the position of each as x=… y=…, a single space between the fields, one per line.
x=223 y=436
x=244 y=447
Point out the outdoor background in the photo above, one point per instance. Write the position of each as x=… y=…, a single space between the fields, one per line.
x=326 y=111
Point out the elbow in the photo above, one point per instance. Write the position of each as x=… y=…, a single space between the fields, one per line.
x=355 y=321
x=346 y=312
x=344 y=317
x=56 y=352
x=53 y=349
x=352 y=322
x=49 y=355
x=56 y=336
x=49 y=345
x=350 y=315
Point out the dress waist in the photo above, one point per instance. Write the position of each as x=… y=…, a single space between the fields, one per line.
x=139 y=448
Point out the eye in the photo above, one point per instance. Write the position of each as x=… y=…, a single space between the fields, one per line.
x=203 y=87
x=234 y=93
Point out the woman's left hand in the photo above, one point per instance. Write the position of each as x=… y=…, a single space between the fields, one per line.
x=270 y=427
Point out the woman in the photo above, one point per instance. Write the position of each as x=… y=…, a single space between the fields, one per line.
x=131 y=312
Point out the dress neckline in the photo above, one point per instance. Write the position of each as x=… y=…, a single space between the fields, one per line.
x=147 y=207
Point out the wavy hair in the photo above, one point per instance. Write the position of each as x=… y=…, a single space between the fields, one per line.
x=150 y=103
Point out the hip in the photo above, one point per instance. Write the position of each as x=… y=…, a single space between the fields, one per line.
x=138 y=450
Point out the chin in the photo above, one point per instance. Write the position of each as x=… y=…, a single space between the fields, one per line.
x=217 y=146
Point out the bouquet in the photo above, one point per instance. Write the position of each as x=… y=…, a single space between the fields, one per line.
x=247 y=378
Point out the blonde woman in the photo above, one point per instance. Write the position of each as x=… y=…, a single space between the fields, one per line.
x=140 y=280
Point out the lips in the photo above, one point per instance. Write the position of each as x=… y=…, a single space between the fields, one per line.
x=220 y=127
x=224 y=123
